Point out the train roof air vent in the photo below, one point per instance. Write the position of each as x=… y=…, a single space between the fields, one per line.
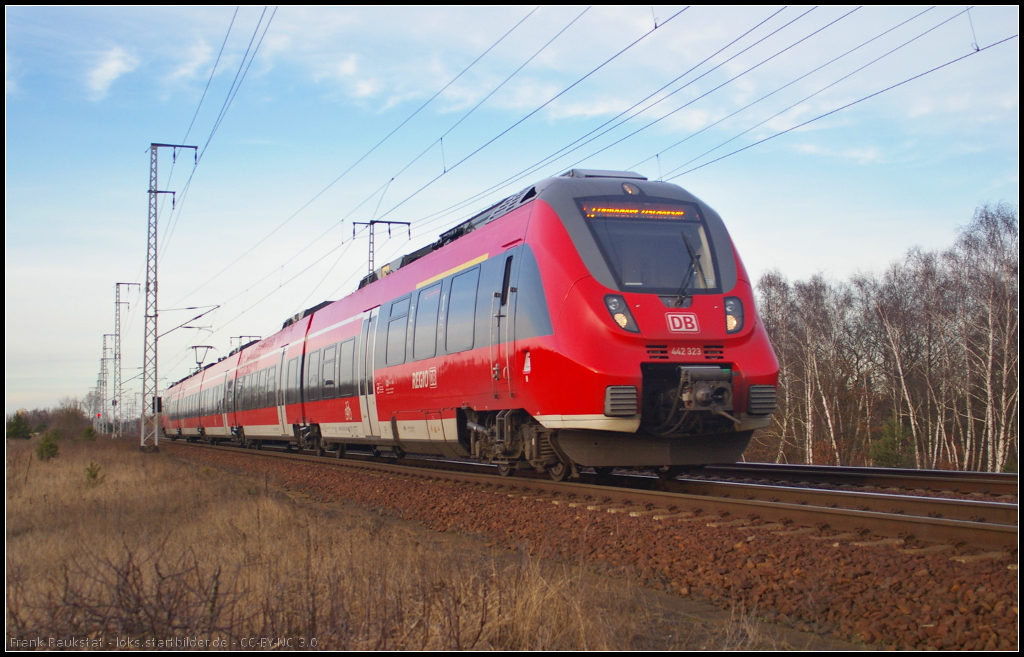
x=598 y=173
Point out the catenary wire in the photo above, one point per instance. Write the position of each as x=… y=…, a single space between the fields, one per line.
x=788 y=84
x=228 y=101
x=859 y=100
x=543 y=162
x=806 y=98
x=542 y=106
x=354 y=164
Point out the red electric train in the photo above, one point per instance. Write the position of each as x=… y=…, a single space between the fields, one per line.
x=594 y=319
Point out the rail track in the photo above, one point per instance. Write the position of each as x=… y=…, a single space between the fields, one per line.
x=856 y=516
x=942 y=481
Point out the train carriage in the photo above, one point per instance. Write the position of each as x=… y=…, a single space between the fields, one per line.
x=594 y=319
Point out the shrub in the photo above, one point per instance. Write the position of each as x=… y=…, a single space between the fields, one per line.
x=47 y=447
x=888 y=452
x=92 y=474
x=18 y=428
x=89 y=434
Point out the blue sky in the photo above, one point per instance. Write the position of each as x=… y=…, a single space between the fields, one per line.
x=88 y=89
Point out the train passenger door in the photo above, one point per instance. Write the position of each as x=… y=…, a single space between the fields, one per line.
x=501 y=334
x=279 y=387
x=367 y=396
x=225 y=392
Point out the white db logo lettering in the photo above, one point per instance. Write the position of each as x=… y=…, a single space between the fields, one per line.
x=683 y=323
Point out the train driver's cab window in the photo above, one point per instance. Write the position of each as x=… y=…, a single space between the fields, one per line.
x=658 y=246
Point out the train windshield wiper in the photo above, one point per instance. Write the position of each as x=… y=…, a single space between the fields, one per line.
x=681 y=295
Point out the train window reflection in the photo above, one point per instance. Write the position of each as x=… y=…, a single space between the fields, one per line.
x=346 y=373
x=424 y=341
x=652 y=255
x=462 y=311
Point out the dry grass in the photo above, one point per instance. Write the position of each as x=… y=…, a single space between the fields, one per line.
x=104 y=542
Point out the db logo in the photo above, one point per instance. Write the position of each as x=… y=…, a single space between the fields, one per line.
x=683 y=323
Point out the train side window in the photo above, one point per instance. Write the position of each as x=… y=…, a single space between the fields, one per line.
x=462 y=311
x=240 y=394
x=346 y=373
x=291 y=395
x=313 y=376
x=261 y=390
x=424 y=338
x=400 y=308
x=272 y=386
x=329 y=373
x=398 y=327
x=247 y=392
x=250 y=384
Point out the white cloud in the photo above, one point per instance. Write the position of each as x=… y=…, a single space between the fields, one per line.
x=364 y=88
x=863 y=155
x=10 y=86
x=113 y=64
x=198 y=55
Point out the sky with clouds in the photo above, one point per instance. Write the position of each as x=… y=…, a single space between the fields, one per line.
x=309 y=119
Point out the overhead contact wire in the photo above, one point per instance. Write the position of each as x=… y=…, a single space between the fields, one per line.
x=545 y=104
x=560 y=152
x=838 y=109
x=354 y=164
x=826 y=87
x=228 y=100
x=788 y=84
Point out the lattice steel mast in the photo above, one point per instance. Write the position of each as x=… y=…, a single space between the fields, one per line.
x=117 y=402
x=150 y=430
x=373 y=223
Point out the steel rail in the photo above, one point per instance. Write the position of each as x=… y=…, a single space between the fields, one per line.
x=991 y=483
x=1000 y=513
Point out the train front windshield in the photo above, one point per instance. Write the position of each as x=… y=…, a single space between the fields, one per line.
x=653 y=246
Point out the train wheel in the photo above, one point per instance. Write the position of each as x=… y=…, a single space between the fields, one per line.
x=506 y=469
x=399 y=453
x=559 y=471
x=259 y=444
x=340 y=454
x=375 y=452
x=670 y=472
x=320 y=448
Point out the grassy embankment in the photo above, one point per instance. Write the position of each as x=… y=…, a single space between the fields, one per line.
x=104 y=543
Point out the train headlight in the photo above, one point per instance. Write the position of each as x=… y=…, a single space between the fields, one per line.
x=733 y=315
x=619 y=311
